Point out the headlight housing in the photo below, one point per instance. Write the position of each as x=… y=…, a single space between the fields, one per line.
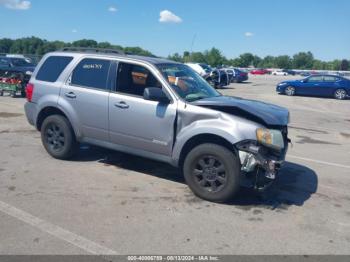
x=270 y=137
x=29 y=73
x=282 y=84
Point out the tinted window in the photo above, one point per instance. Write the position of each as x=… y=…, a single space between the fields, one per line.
x=316 y=79
x=20 y=62
x=91 y=73
x=4 y=62
x=52 y=68
x=330 y=78
x=133 y=79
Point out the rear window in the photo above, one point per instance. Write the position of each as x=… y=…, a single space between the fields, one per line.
x=52 y=68
x=91 y=73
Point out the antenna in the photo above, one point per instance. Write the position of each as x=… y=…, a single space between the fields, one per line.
x=193 y=40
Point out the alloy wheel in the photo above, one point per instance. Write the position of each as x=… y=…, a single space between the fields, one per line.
x=340 y=94
x=210 y=173
x=55 y=137
x=290 y=91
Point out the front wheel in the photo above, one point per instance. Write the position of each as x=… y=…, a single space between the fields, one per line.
x=289 y=91
x=212 y=172
x=340 y=94
x=58 y=137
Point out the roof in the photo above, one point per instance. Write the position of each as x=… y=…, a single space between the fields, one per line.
x=115 y=53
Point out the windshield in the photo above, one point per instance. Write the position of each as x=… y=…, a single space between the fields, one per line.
x=186 y=82
x=20 y=62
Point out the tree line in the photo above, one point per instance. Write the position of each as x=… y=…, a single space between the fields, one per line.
x=39 y=47
x=301 y=60
x=213 y=56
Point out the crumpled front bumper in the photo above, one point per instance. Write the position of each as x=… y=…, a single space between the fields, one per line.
x=260 y=165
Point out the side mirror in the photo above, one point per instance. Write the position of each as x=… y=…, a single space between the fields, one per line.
x=155 y=94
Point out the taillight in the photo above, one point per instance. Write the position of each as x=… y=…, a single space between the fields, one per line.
x=29 y=91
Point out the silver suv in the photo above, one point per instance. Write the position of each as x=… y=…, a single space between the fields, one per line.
x=157 y=109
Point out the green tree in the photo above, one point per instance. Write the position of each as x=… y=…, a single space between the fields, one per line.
x=344 y=66
x=246 y=60
x=5 y=45
x=267 y=62
x=283 y=61
x=176 y=57
x=303 y=60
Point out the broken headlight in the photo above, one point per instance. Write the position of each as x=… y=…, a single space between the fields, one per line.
x=270 y=137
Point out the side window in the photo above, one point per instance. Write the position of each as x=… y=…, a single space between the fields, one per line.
x=315 y=79
x=4 y=62
x=91 y=73
x=52 y=68
x=133 y=79
x=329 y=79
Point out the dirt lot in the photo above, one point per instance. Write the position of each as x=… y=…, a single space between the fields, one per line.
x=107 y=202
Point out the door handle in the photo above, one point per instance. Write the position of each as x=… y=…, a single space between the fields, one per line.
x=70 y=95
x=122 y=105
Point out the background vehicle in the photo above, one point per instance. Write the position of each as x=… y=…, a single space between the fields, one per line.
x=259 y=72
x=216 y=77
x=279 y=73
x=236 y=76
x=104 y=98
x=18 y=65
x=289 y=71
x=317 y=85
x=200 y=68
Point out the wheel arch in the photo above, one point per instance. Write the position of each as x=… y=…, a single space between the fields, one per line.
x=201 y=139
x=46 y=112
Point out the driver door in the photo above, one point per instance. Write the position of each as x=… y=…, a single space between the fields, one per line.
x=135 y=122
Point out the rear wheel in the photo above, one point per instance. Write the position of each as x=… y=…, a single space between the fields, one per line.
x=289 y=91
x=58 y=137
x=340 y=94
x=212 y=172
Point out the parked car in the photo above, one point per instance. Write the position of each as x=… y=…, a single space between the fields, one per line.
x=170 y=114
x=200 y=68
x=289 y=72
x=317 y=85
x=236 y=75
x=17 y=65
x=216 y=77
x=260 y=72
x=279 y=73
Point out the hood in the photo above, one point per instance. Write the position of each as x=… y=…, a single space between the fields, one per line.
x=263 y=113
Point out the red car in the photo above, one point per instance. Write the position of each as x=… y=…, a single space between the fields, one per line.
x=259 y=72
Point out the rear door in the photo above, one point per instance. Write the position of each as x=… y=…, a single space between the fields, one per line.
x=312 y=86
x=329 y=85
x=135 y=122
x=86 y=94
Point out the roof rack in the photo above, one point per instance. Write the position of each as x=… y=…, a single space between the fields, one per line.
x=92 y=50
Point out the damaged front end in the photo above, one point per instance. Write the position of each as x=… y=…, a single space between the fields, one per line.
x=261 y=159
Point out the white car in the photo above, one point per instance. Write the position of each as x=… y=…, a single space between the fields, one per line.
x=200 y=68
x=279 y=73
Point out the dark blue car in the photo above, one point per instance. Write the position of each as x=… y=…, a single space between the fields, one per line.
x=317 y=85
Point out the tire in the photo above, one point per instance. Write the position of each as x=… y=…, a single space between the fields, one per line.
x=212 y=172
x=289 y=91
x=340 y=94
x=13 y=94
x=58 y=137
x=1 y=93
